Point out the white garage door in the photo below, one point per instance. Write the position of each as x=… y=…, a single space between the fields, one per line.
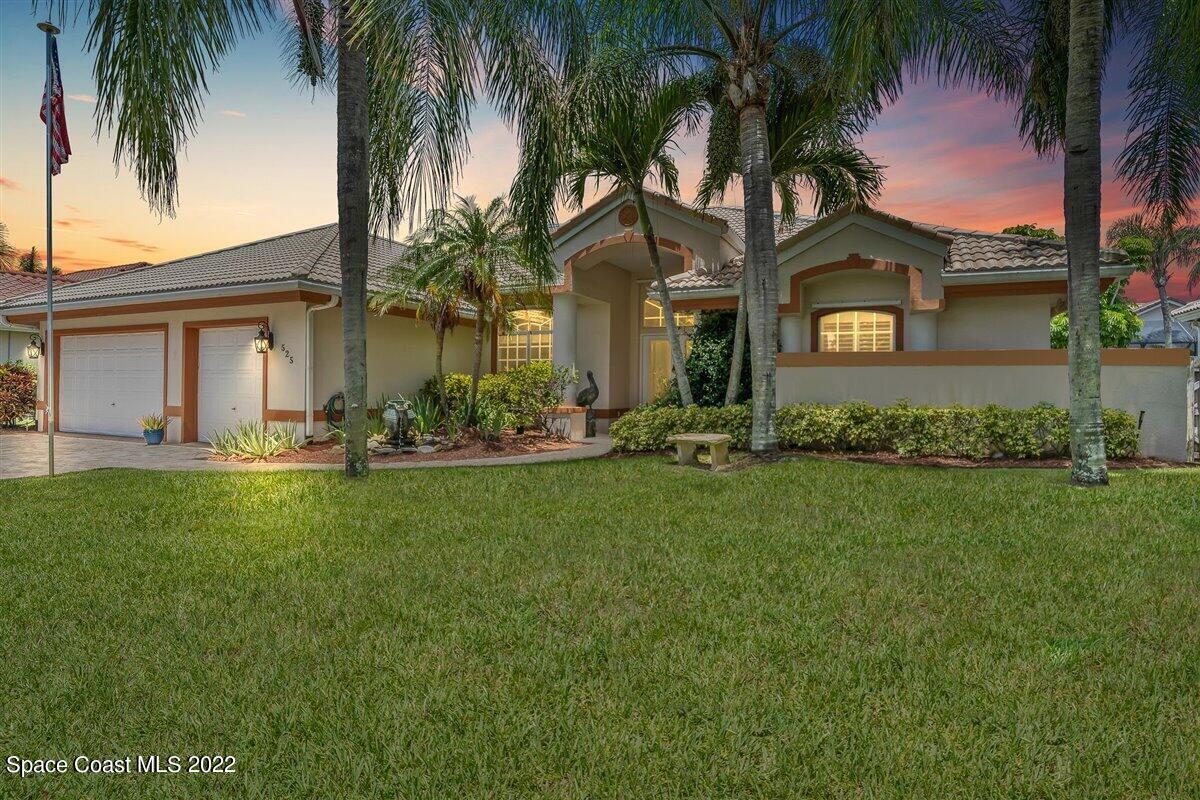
x=109 y=380
x=229 y=388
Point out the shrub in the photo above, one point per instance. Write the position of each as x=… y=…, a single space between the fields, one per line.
x=707 y=364
x=648 y=427
x=524 y=393
x=961 y=431
x=18 y=391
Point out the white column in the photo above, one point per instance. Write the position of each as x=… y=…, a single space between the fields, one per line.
x=791 y=333
x=564 y=337
x=920 y=331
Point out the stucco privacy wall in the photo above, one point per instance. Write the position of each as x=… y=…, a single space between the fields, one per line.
x=400 y=355
x=285 y=375
x=1160 y=391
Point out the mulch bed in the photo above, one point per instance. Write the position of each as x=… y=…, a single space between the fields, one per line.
x=510 y=444
x=742 y=460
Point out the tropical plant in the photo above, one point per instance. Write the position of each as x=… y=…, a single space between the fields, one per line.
x=714 y=342
x=1119 y=322
x=475 y=252
x=1033 y=231
x=491 y=419
x=1160 y=246
x=8 y=253
x=526 y=392
x=1066 y=43
x=153 y=422
x=31 y=261
x=846 y=54
x=254 y=440
x=427 y=413
x=416 y=66
x=621 y=122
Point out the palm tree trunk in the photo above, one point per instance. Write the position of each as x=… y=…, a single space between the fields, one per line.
x=1081 y=205
x=760 y=274
x=1164 y=306
x=477 y=364
x=439 y=333
x=739 y=347
x=353 y=230
x=677 y=360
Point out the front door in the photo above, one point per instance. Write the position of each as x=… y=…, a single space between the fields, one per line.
x=656 y=365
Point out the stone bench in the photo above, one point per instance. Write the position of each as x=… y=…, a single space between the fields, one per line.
x=717 y=444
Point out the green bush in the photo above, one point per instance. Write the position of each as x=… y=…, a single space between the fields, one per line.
x=18 y=392
x=707 y=364
x=524 y=393
x=647 y=427
x=908 y=430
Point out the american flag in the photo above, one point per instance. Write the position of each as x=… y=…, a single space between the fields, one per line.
x=61 y=151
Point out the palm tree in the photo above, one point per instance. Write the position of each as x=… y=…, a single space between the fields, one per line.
x=1160 y=247
x=8 y=253
x=623 y=121
x=857 y=49
x=476 y=253
x=437 y=304
x=31 y=261
x=1065 y=45
x=413 y=65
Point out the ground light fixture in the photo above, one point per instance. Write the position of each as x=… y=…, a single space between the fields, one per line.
x=33 y=350
x=264 y=340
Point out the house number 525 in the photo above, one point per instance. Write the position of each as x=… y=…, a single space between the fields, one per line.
x=287 y=353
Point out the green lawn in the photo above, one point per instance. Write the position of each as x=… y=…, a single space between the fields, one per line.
x=615 y=629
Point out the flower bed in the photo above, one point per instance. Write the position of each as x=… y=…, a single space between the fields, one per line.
x=911 y=431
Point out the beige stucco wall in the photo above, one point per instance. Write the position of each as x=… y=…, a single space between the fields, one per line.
x=606 y=324
x=285 y=374
x=12 y=345
x=1159 y=391
x=400 y=355
x=1020 y=322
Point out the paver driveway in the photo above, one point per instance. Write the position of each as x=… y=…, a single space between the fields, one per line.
x=23 y=455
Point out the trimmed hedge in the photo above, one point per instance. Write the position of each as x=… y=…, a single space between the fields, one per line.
x=961 y=431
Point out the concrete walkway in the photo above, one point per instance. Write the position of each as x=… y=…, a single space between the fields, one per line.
x=23 y=455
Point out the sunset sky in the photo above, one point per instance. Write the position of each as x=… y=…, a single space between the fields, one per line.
x=262 y=161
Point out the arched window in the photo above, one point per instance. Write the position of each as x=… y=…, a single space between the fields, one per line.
x=856 y=331
x=529 y=340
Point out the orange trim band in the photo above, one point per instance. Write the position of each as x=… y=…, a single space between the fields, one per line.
x=1109 y=357
x=294 y=295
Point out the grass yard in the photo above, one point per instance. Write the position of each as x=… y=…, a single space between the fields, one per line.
x=606 y=629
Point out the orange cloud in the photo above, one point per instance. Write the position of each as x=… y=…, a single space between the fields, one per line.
x=10 y=184
x=133 y=244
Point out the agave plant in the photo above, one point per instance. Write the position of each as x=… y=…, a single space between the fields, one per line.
x=427 y=414
x=153 y=422
x=254 y=441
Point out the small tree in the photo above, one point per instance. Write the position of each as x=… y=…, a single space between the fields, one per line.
x=435 y=303
x=31 y=261
x=1119 y=323
x=1159 y=246
x=1032 y=230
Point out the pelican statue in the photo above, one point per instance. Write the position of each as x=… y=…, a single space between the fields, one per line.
x=585 y=398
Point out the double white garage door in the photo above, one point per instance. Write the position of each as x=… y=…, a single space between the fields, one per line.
x=111 y=379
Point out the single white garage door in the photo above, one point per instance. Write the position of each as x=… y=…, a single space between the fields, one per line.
x=109 y=380
x=229 y=387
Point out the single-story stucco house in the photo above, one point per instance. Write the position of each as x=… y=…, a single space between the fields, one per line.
x=1151 y=335
x=871 y=306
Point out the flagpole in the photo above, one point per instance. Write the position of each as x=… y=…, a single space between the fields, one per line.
x=50 y=32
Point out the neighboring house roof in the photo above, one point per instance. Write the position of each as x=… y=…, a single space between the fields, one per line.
x=1152 y=331
x=15 y=284
x=1191 y=309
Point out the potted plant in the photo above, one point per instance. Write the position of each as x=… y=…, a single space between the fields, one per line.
x=154 y=427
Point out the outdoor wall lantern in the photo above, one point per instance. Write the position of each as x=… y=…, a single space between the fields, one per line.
x=264 y=340
x=33 y=350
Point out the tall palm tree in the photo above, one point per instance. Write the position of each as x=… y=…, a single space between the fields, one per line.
x=436 y=304
x=414 y=65
x=623 y=120
x=1161 y=246
x=861 y=47
x=474 y=252
x=1066 y=43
